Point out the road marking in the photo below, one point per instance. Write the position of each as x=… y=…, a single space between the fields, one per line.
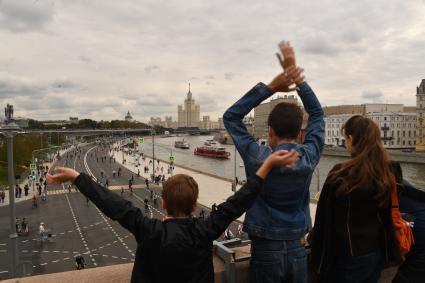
x=54 y=261
x=65 y=258
x=43 y=264
x=3 y=244
x=78 y=227
x=4 y=271
x=101 y=214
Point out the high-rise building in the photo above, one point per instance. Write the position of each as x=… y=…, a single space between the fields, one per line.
x=420 y=115
x=189 y=112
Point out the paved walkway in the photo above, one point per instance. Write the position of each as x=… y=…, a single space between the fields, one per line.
x=33 y=189
x=211 y=189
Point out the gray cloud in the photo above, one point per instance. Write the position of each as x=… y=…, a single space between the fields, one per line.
x=11 y=88
x=133 y=48
x=152 y=68
x=373 y=95
x=229 y=76
x=85 y=59
x=25 y=15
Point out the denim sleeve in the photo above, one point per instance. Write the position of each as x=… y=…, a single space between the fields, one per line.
x=315 y=133
x=245 y=143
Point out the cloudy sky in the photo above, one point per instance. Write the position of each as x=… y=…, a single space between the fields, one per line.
x=98 y=58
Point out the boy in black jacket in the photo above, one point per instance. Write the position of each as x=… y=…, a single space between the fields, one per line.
x=178 y=249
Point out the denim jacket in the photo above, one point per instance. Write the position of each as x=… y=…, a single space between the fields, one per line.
x=281 y=211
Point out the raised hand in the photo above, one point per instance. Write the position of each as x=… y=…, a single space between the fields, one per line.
x=277 y=159
x=62 y=175
x=288 y=55
x=285 y=82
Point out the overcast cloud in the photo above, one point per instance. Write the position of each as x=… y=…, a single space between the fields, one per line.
x=97 y=59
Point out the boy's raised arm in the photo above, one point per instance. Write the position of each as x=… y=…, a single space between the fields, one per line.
x=112 y=205
x=315 y=133
x=232 y=118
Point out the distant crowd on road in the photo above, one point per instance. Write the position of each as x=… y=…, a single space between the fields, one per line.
x=368 y=216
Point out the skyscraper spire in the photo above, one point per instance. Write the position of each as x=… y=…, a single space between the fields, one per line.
x=189 y=94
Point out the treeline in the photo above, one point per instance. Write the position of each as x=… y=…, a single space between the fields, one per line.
x=90 y=124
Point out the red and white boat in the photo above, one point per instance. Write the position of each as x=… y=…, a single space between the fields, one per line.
x=211 y=151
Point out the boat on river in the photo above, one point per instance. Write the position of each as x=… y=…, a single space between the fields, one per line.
x=212 y=151
x=181 y=144
x=210 y=142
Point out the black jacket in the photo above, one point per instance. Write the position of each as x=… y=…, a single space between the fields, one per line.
x=357 y=220
x=175 y=250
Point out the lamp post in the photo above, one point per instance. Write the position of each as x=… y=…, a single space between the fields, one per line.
x=153 y=154
x=9 y=130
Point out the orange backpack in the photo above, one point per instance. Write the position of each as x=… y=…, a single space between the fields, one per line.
x=403 y=232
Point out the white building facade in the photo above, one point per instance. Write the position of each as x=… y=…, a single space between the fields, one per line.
x=398 y=129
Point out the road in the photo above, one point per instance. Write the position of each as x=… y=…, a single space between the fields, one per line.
x=77 y=227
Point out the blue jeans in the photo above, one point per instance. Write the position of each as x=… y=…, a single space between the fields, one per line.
x=358 y=269
x=278 y=261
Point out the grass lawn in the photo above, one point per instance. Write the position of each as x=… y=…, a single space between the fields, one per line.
x=3 y=173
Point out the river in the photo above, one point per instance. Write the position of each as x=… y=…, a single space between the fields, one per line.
x=164 y=147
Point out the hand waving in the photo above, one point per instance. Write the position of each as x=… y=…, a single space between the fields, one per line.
x=62 y=175
x=285 y=81
x=288 y=55
x=277 y=159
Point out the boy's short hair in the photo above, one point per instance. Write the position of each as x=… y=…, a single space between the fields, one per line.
x=180 y=193
x=286 y=120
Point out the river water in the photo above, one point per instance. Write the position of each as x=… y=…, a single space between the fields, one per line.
x=164 y=147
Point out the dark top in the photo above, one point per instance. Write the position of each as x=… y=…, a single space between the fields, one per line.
x=412 y=201
x=351 y=225
x=357 y=228
x=175 y=250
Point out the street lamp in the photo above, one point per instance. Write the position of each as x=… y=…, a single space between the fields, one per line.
x=153 y=153
x=10 y=130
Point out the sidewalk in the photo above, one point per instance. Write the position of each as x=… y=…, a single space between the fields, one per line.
x=31 y=191
x=211 y=189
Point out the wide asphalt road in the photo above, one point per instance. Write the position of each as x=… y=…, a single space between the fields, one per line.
x=77 y=227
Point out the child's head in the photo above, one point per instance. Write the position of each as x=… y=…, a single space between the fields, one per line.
x=285 y=121
x=180 y=195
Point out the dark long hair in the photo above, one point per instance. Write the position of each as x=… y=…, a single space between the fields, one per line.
x=369 y=164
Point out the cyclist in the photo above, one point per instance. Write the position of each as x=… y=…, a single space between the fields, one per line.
x=79 y=262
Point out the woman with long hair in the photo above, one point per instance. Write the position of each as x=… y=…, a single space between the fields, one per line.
x=353 y=233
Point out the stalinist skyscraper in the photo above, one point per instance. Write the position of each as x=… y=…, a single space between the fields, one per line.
x=189 y=113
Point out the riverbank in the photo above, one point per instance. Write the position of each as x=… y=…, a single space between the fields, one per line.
x=396 y=155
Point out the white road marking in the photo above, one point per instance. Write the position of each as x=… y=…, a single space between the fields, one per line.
x=78 y=226
x=101 y=214
x=4 y=271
